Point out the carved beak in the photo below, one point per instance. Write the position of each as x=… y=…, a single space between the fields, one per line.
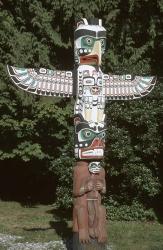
x=97 y=51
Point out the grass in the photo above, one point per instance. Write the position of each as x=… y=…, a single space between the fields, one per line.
x=42 y=223
x=136 y=235
x=35 y=223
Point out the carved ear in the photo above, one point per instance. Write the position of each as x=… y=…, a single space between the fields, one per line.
x=77 y=120
x=100 y=22
x=82 y=21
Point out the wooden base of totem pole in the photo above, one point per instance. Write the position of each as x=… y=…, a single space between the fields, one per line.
x=89 y=216
x=93 y=245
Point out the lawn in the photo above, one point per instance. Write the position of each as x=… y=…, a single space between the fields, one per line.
x=42 y=223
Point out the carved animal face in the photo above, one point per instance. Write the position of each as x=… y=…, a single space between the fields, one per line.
x=89 y=139
x=90 y=42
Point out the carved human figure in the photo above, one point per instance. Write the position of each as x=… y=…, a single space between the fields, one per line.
x=89 y=216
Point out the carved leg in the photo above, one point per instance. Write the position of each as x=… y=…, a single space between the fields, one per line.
x=96 y=222
x=82 y=218
x=102 y=233
x=91 y=218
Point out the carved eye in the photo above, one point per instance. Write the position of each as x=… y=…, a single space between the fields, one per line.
x=102 y=43
x=87 y=134
x=102 y=134
x=99 y=82
x=89 y=40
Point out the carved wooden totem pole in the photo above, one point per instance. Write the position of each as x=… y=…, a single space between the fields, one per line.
x=91 y=88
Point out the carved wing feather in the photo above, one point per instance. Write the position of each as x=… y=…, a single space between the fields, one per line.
x=124 y=87
x=42 y=81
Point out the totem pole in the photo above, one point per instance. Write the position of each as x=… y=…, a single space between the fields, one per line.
x=91 y=89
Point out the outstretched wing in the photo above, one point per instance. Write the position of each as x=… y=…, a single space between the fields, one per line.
x=42 y=81
x=124 y=87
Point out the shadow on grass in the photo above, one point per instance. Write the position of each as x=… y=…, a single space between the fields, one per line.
x=35 y=229
x=60 y=223
x=61 y=226
x=61 y=214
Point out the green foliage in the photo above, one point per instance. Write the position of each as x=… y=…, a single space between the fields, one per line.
x=40 y=33
x=133 y=212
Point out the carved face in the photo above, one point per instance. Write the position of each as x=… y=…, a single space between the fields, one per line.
x=92 y=85
x=90 y=42
x=89 y=139
x=94 y=167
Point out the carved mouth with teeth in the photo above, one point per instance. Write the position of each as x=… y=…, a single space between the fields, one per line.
x=94 y=151
x=90 y=59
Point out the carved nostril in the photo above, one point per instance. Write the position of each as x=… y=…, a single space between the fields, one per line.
x=83 y=51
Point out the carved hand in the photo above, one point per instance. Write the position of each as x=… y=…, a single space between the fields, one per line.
x=99 y=186
x=89 y=186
